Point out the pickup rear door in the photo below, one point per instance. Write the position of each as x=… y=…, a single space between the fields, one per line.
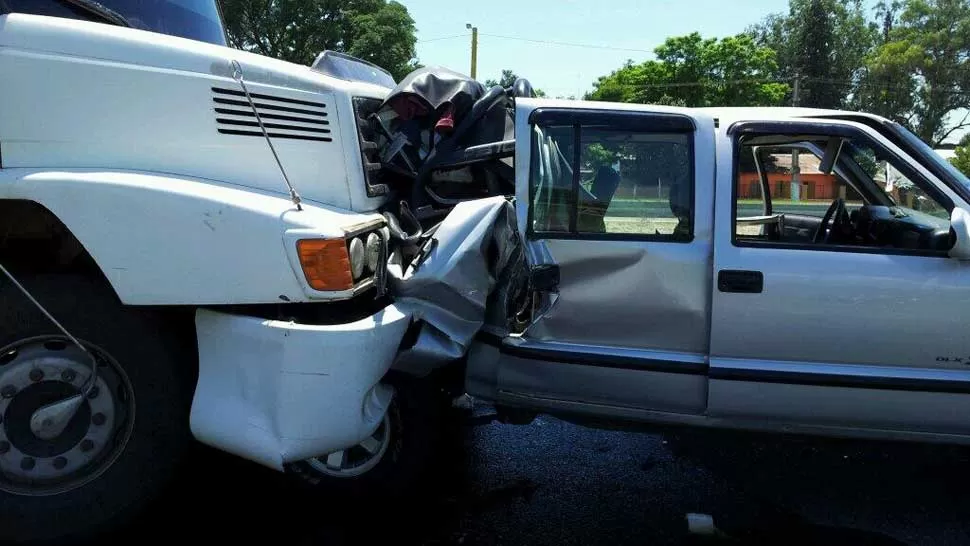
x=835 y=334
x=614 y=209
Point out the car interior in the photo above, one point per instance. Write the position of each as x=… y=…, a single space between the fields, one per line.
x=848 y=193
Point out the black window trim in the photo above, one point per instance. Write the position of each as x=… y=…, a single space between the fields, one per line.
x=659 y=123
x=743 y=129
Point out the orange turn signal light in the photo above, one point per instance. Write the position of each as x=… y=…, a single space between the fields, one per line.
x=325 y=263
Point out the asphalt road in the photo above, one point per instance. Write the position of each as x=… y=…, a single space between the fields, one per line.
x=559 y=484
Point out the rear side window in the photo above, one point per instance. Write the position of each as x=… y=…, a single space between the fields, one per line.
x=602 y=180
x=194 y=19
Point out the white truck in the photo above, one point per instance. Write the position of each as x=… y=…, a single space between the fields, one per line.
x=302 y=265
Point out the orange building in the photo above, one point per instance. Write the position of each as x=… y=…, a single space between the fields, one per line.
x=814 y=184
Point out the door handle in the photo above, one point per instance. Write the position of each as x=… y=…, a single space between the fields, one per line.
x=742 y=282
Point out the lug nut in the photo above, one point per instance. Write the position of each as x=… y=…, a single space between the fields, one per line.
x=4 y=448
x=60 y=463
x=68 y=375
x=36 y=374
x=8 y=392
x=94 y=393
x=87 y=445
x=28 y=463
x=98 y=419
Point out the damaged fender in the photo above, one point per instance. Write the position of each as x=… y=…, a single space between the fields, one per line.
x=446 y=290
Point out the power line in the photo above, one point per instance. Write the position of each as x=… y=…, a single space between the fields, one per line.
x=569 y=44
x=715 y=82
x=442 y=38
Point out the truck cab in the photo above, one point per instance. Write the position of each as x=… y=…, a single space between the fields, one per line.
x=768 y=268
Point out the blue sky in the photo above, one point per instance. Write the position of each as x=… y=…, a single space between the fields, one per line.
x=635 y=25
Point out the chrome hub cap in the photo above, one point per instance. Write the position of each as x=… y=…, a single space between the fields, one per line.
x=358 y=459
x=40 y=371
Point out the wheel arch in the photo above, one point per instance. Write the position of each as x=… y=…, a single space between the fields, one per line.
x=34 y=240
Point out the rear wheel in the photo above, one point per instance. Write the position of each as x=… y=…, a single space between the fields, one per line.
x=126 y=437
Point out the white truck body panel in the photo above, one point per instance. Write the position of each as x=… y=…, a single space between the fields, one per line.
x=169 y=240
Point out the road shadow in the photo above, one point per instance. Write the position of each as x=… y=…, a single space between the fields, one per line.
x=554 y=483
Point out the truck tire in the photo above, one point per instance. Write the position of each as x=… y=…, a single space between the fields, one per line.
x=124 y=442
x=395 y=460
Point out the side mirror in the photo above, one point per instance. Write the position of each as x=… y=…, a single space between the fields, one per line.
x=960 y=224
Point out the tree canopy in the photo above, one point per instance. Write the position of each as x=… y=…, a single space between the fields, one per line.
x=823 y=43
x=507 y=79
x=695 y=71
x=907 y=60
x=379 y=31
x=920 y=75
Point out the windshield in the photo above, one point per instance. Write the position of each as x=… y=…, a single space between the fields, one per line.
x=194 y=19
x=932 y=155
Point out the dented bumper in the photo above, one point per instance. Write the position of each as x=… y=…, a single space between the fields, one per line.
x=277 y=392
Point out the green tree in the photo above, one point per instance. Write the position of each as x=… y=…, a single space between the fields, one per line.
x=508 y=78
x=962 y=158
x=823 y=43
x=694 y=71
x=921 y=74
x=379 y=31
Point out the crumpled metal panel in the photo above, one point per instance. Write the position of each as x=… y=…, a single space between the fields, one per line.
x=449 y=289
x=626 y=294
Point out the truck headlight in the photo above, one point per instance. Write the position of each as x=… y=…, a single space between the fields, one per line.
x=331 y=265
x=357 y=257
x=372 y=252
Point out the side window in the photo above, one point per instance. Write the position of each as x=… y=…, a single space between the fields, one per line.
x=833 y=191
x=608 y=181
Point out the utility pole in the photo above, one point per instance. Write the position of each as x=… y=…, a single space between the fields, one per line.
x=474 y=30
x=796 y=167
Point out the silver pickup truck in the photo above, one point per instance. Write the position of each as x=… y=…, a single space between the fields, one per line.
x=773 y=268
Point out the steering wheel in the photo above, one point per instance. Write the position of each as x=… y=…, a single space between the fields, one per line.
x=835 y=212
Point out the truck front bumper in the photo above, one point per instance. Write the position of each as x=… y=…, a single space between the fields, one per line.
x=278 y=392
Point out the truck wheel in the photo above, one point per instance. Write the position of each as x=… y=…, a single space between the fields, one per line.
x=125 y=440
x=392 y=461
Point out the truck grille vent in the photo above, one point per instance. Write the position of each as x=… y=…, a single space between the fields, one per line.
x=370 y=155
x=283 y=117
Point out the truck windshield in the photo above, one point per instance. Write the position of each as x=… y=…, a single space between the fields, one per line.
x=195 y=19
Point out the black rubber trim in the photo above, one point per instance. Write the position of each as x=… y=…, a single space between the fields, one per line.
x=280 y=117
x=267 y=97
x=643 y=122
x=260 y=106
x=273 y=135
x=244 y=123
x=595 y=360
x=841 y=380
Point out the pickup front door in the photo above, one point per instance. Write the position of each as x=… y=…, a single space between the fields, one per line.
x=616 y=206
x=859 y=326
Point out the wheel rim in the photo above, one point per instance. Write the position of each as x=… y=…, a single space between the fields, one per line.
x=41 y=370
x=359 y=459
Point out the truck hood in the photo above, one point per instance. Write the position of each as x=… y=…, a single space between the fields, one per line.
x=89 y=95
